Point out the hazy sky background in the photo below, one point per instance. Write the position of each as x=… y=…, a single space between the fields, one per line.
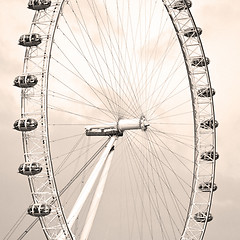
x=219 y=20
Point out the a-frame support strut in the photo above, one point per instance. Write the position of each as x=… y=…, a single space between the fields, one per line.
x=97 y=197
x=88 y=187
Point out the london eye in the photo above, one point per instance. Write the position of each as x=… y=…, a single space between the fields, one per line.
x=117 y=120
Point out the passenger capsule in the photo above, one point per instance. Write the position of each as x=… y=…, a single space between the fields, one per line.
x=30 y=169
x=209 y=124
x=39 y=210
x=181 y=5
x=25 y=81
x=207 y=187
x=192 y=32
x=206 y=92
x=30 y=40
x=200 y=62
x=202 y=217
x=39 y=4
x=209 y=156
x=28 y=124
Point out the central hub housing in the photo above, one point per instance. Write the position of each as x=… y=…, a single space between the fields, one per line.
x=117 y=128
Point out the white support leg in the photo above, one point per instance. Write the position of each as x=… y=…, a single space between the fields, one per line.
x=88 y=186
x=96 y=199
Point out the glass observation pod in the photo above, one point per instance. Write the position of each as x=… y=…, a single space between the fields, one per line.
x=207 y=187
x=25 y=81
x=30 y=40
x=28 y=124
x=39 y=4
x=202 y=217
x=181 y=5
x=192 y=32
x=39 y=210
x=200 y=62
x=206 y=92
x=209 y=124
x=208 y=156
x=30 y=169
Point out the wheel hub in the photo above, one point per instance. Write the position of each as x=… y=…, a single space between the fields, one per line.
x=117 y=128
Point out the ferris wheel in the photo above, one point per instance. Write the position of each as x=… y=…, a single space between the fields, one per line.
x=117 y=120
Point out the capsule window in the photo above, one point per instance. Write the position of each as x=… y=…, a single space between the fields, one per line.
x=34 y=37
x=15 y=125
x=20 y=169
x=21 y=80
x=22 y=123
x=27 y=168
x=35 y=209
x=30 y=79
x=29 y=121
x=27 y=38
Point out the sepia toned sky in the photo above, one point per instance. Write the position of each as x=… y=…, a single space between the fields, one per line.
x=219 y=20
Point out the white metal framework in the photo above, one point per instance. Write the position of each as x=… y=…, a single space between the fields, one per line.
x=114 y=68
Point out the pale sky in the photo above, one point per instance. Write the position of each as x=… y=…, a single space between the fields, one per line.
x=219 y=20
